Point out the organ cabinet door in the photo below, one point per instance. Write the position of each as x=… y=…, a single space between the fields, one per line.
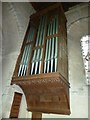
x=42 y=65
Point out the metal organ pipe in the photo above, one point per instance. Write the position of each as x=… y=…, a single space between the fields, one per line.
x=24 y=61
x=42 y=31
x=56 y=44
x=46 y=54
x=49 y=50
x=21 y=64
x=38 y=35
x=33 y=62
x=26 y=54
x=36 y=61
x=27 y=59
x=23 y=71
x=52 y=57
x=39 y=60
x=50 y=63
x=37 y=69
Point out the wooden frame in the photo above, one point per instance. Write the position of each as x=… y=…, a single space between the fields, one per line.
x=16 y=105
x=55 y=84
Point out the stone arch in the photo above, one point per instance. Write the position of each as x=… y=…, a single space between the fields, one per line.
x=77 y=27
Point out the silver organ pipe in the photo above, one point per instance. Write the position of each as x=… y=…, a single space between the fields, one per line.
x=21 y=64
x=52 y=54
x=48 y=66
x=47 y=49
x=26 y=54
x=37 y=67
x=36 y=61
x=46 y=56
x=24 y=61
x=50 y=62
x=38 y=35
x=23 y=70
x=30 y=35
x=41 y=32
x=46 y=63
x=33 y=62
x=40 y=61
x=56 y=44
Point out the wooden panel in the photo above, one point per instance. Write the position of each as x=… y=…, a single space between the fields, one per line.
x=15 y=105
x=36 y=116
x=44 y=11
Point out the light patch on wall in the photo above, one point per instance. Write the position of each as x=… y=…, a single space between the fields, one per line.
x=85 y=46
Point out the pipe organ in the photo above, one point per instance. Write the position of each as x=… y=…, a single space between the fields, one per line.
x=42 y=65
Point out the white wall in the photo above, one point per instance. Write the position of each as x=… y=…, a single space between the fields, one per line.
x=15 y=19
x=15 y=22
x=0 y=58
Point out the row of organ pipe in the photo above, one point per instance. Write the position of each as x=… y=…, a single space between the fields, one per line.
x=51 y=51
x=26 y=54
x=50 y=63
x=37 y=57
x=36 y=62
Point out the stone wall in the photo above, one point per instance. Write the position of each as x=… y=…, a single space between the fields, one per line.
x=0 y=58
x=15 y=22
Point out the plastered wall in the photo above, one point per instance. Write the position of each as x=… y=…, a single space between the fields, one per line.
x=0 y=58
x=15 y=21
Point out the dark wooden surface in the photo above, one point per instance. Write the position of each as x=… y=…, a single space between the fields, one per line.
x=15 y=105
x=42 y=5
x=36 y=116
x=48 y=93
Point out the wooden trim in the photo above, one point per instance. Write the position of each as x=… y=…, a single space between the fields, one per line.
x=62 y=111
x=15 y=105
x=46 y=10
x=36 y=115
x=29 y=43
x=53 y=75
x=59 y=32
x=51 y=36
x=34 y=76
x=37 y=47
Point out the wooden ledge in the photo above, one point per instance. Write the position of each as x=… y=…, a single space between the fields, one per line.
x=55 y=76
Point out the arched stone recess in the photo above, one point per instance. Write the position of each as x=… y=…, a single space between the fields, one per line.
x=77 y=26
x=75 y=33
x=8 y=96
x=77 y=12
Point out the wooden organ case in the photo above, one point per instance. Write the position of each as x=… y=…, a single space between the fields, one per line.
x=42 y=66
